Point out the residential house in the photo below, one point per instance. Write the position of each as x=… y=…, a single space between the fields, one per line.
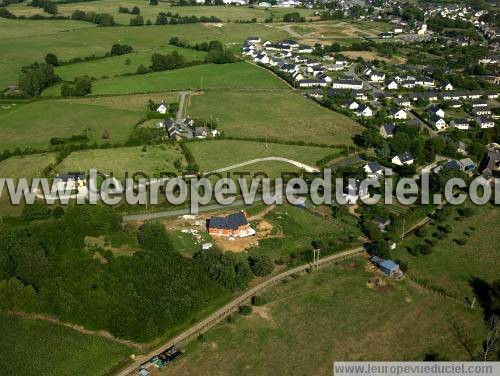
x=461 y=123
x=391 y=85
x=403 y=102
x=373 y=170
x=70 y=181
x=397 y=113
x=447 y=86
x=200 y=132
x=402 y=159
x=479 y=103
x=481 y=111
x=364 y=111
x=162 y=108
x=387 y=130
x=234 y=225
x=354 y=191
x=485 y=122
x=313 y=83
x=438 y=122
x=347 y=82
x=351 y=104
x=435 y=110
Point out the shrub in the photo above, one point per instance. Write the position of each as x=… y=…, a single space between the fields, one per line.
x=245 y=310
x=261 y=265
x=258 y=300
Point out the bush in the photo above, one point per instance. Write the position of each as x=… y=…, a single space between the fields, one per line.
x=245 y=310
x=258 y=300
x=261 y=265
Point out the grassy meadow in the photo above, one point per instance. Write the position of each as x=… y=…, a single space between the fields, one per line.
x=332 y=314
x=34 y=347
x=34 y=124
x=118 y=161
x=230 y=152
x=478 y=258
x=284 y=116
x=208 y=76
x=124 y=64
x=27 y=166
x=24 y=46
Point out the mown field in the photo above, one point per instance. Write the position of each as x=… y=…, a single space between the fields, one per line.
x=208 y=76
x=23 y=46
x=149 y=12
x=285 y=116
x=125 y=64
x=451 y=266
x=28 y=166
x=216 y=154
x=34 y=124
x=151 y=160
x=33 y=347
x=330 y=315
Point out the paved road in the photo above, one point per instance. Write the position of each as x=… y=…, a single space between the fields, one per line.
x=231 y=307
x=182 y=102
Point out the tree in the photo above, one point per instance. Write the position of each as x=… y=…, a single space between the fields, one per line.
x=83 y=86
x=52 y=59
x=135 y=10
x=161 y=19
x=261 y=265
x=66 y=90
x=153 y=236
x=120 y=49
x=37 y=210
x=137 y=21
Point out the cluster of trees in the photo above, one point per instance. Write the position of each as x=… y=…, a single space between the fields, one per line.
x=135 y=10
x=101 y=19
x=82 y=87
x=36 y=77
x=120 y=49
x=137 y=21
x=439 y=23
x=293 y=17
x=217 y=53
x=233 y=271
x=45 y=267
x=47 y=5
x=173 y=19
x=173 y=60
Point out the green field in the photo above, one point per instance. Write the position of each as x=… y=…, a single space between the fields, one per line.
x=125 y=64
x=330 y=315
x=154 y=160
x=230 y=152
x=34 y=124
x=24 y=46
x=33 y=347
x=28 y=167
x=478 y=258
x=285 y=116
x=207 y=76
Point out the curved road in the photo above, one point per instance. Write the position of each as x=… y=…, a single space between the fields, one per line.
x=231 y=307
x=265 y=159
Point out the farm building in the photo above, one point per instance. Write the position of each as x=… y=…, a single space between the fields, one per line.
x=388 y=267
x=234 y=225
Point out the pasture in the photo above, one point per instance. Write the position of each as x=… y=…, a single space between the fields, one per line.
x=284 y=116
x=208 y=76
x=394 y=322
x=331 y=314
x=34 y=347
x=149 y=12
x=230 y=152
x=479 y=257
x=25 y=47
x=26 y=166
x=124 y=64
x=34 y=124
x=150 y=161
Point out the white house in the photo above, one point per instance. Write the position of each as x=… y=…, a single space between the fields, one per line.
x=70 y=181
x=438 y=122
x=435 y=110
x=364 y=111
x=353 y=191
x=347 y=82
x=485 y=122
x=405 y=158
x=447 y=86
x=162 y=108
x=397 y=113
x=461 y=124
x=373 y=170
x=351 y=105
x=391 y=85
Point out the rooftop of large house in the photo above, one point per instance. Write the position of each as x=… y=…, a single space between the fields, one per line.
x=231 y=222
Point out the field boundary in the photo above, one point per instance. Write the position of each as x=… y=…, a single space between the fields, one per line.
x=232 y=306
